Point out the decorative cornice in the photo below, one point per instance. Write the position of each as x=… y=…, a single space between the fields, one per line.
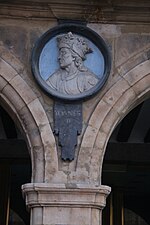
x=88 y=11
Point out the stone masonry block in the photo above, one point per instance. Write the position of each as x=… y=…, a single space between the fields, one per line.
x=117 y=90
x=100 y=139
x=23 y=89
x=10 y=58
x=15 y=39
x=129 y=45
x=29 y=122
x=143 y=86
x=3 y=83
x=6 y=70
x=38 y=112
x=122 y=105
x=132 y=63
x=138 y=72
x=10 y=93
x=47 y=134
x=94 y=124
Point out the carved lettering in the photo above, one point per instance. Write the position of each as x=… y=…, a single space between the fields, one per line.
x=72 y=113
x=67 y=125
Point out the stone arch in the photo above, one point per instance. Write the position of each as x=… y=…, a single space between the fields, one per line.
x=129 y=90
x=24 y=107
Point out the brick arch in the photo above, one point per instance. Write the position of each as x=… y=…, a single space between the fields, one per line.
x=25 y=108
x=131 y=88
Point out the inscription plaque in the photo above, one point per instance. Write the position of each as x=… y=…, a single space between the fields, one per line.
x=67 y=125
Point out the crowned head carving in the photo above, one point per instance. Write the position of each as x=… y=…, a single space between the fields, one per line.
x=75 y=43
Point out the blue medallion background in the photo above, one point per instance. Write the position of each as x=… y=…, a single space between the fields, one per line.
x=48 y=61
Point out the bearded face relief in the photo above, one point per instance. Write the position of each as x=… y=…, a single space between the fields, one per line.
x=72 y=77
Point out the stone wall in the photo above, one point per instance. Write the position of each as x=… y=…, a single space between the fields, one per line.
x=32 y=110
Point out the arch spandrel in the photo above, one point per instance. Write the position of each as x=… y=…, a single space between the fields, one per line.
x=122 y=97
x=109 y=111
x=25 y=108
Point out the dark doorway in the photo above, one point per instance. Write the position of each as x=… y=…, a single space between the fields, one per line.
x=15 y=170
x=126 y=168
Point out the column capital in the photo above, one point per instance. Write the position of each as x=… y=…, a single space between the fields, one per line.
x=44 y=194
x=62 y=204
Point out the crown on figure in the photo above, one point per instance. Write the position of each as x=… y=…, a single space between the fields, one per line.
x=75 y=43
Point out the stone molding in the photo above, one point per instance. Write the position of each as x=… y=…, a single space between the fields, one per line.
x=56 y=204
x=132 y=88
x=47 y=195
x=25 y=108
x=88 y=11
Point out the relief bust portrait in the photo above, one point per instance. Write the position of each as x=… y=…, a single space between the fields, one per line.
x=72 y=77
x=71 y=62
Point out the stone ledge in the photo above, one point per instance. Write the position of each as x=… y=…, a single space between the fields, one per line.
x=41 y=194
x=95 y=11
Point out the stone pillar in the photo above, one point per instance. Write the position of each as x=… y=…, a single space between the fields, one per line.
x=61 y=205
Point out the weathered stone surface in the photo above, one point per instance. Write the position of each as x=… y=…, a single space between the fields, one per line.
x=96 y=11
x=137 y=73
x=15 y=39
x=127 y=86
x=72 y=205
x=23 y=89
x=129 y=45
x=10 y=93
x=6 y=70
x=3 y=83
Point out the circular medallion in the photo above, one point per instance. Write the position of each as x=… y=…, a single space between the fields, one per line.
x=71 y=62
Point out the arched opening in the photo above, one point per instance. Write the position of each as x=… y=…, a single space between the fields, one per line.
x=15 y=170
x=126 y=168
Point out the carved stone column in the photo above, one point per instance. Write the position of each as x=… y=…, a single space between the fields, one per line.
x=60 y=205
